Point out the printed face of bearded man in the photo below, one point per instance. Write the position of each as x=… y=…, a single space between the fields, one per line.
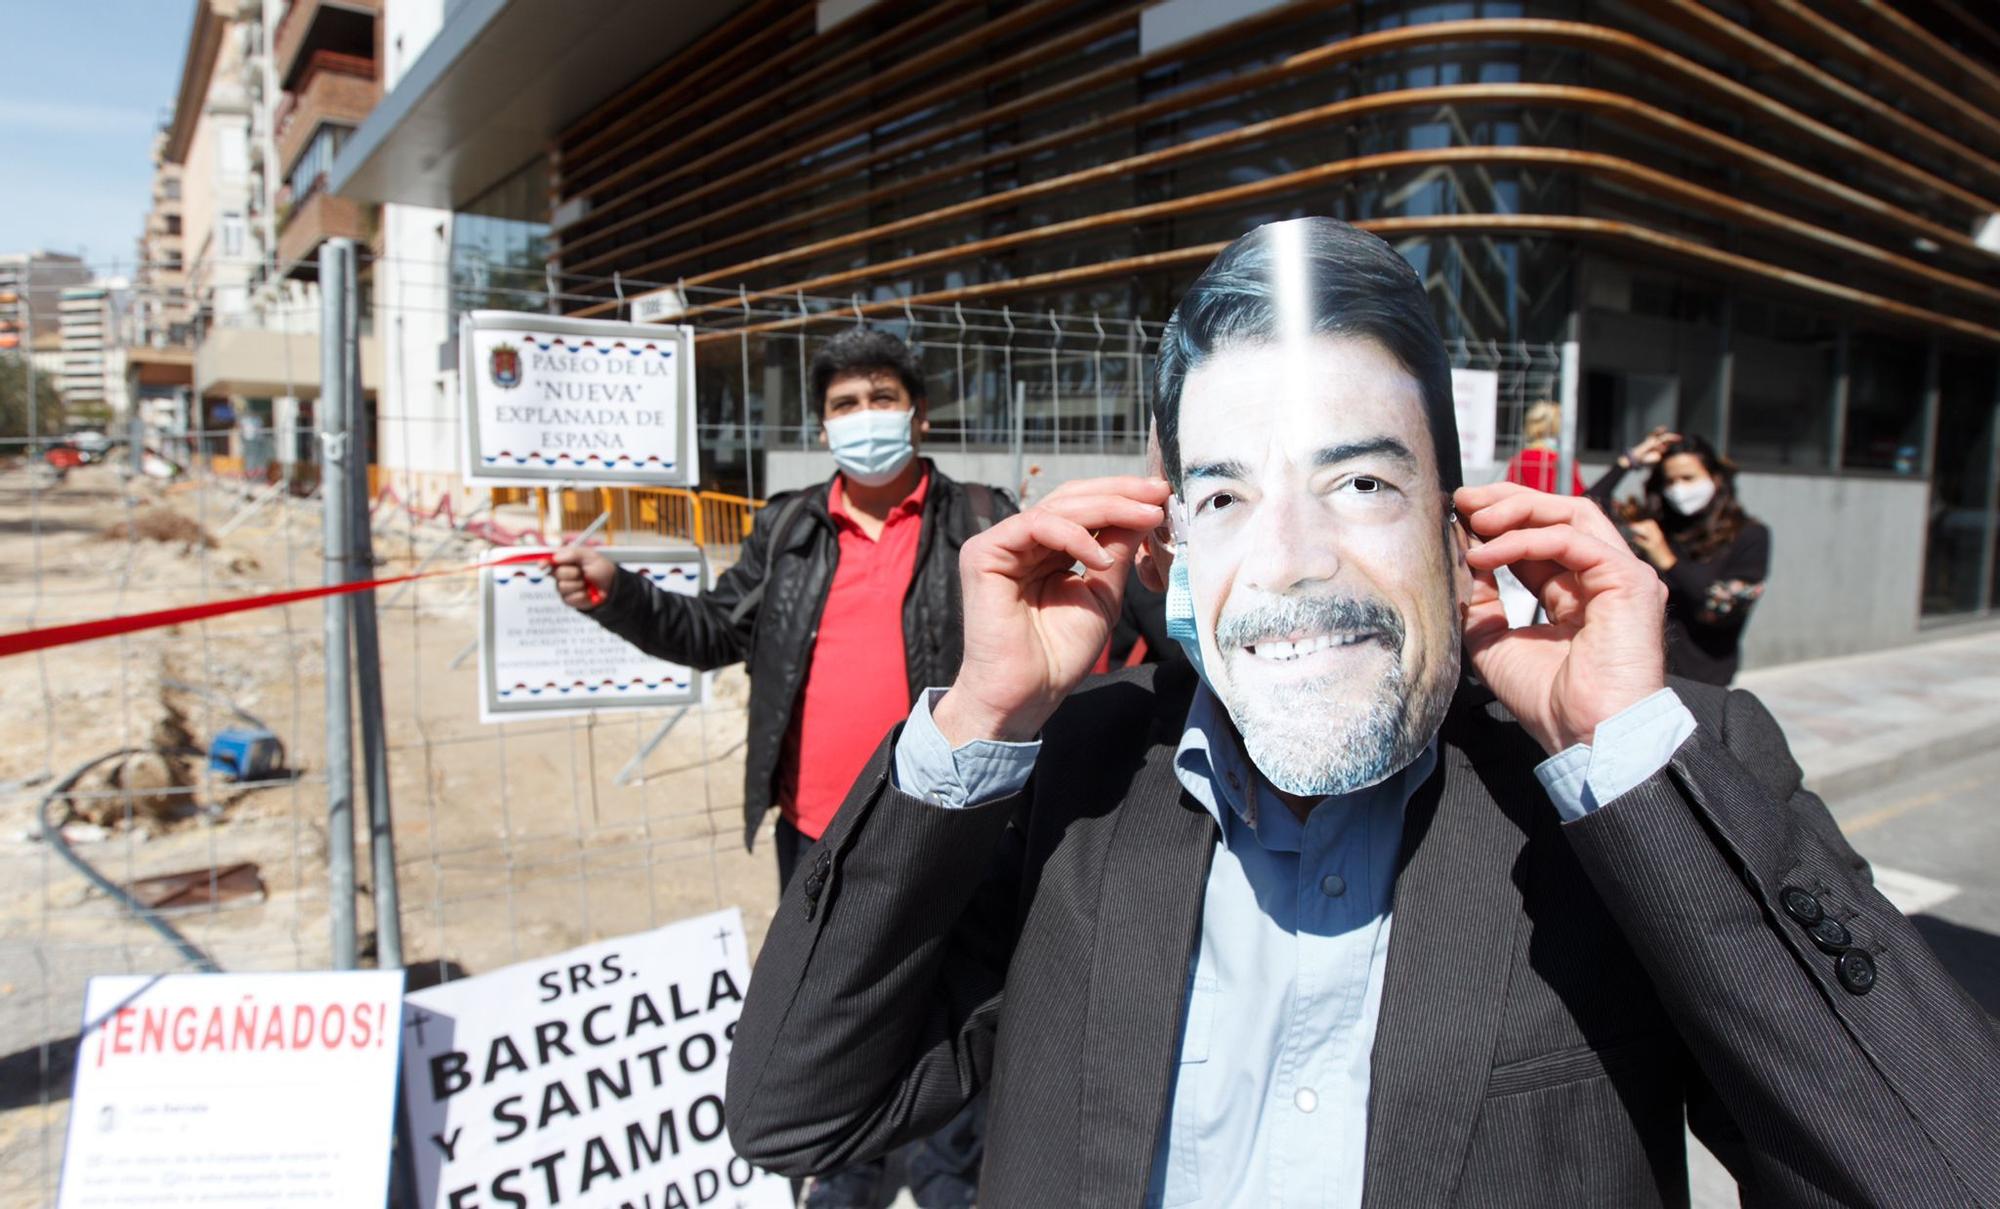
x=1313 y=527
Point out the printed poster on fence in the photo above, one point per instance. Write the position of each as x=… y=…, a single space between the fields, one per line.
x=593 y=1077
x=1475 y=396
x=539 y=658
x=555 y=400
x=244 y=1089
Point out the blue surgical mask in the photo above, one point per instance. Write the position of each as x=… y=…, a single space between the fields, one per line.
x=1180 y=610
x=872 y=446
x=1181 y=625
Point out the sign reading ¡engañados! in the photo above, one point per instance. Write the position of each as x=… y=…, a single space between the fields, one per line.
x=555 y=400
x=242 y=1089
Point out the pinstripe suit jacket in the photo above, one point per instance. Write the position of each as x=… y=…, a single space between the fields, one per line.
x=1558 y=998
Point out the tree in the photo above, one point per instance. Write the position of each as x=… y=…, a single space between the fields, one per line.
x=14 y=400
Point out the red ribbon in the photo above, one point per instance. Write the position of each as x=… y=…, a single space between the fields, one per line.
x=22 y=641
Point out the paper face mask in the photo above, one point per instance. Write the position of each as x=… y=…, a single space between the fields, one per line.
x=1304 y=412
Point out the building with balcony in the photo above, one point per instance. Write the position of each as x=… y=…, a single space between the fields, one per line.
x=162 y=312
x=94 y=320
x=159 y=353
x=324 y=57
x=1772 y=224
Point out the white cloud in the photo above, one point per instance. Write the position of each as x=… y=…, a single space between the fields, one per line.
x=52 y=117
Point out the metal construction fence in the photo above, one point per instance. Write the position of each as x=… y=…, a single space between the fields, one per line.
x=132 y=844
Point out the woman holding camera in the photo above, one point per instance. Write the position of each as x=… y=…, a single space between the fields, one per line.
x=1711 y=555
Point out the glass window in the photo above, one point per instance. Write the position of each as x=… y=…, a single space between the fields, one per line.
x=1781 y=394
x=309 y=171
x=499 y=247
x=1885 y=403
x=1652 y=356
x=1960 y=525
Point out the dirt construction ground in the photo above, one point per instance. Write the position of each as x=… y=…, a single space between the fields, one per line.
x=512 y=841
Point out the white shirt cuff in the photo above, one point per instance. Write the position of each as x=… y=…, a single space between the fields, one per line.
x=928 y=767
x=1628 y=747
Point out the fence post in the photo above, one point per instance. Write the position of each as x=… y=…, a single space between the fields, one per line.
x=367 y=639
x=1566 y=460
x=336 y=443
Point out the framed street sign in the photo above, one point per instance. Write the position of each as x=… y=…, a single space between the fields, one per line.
x=539 y=658
x=553 y=400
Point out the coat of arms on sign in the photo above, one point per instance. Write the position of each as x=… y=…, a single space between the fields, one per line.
x=505 y=366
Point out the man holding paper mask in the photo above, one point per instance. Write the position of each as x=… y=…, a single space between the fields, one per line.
x=1380 y=903
x=843 y=605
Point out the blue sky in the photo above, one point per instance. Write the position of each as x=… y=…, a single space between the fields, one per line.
x=83 y=85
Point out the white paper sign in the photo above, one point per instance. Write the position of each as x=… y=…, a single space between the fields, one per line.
x=539 y=658
x=549 y=399
x=592 y=1078
x=242 y=1089
x=1475 y=396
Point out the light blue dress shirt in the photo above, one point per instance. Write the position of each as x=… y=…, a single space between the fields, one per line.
x=1270 y=1097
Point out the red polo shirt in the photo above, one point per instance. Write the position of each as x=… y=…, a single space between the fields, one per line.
x=857 y=683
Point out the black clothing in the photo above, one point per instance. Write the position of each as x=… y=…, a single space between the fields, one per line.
x=1708 y=599
x=1562 y=1001
x=775 y=637
x=1143 y=615
x=789 y=844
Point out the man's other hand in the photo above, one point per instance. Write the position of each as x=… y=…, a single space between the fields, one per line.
x=578 y=570
x=1603 y=646
x=1033 y=624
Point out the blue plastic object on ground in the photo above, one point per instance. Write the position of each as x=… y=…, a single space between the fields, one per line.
x=246 y=753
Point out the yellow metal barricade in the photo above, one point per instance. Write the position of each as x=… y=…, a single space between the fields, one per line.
x=726 y=523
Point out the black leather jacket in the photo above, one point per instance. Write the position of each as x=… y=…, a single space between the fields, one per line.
x=775 y=636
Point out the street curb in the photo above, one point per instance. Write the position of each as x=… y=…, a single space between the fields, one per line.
x=1923 y=757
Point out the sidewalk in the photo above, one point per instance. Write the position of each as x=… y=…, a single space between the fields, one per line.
x=1861 y=721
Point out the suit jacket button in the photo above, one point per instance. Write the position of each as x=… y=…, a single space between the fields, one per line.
x=1830 y=935
x=1856 y=971
x=1801 y=905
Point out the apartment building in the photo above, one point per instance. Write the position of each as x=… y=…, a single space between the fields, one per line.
x=94 y=320
x=31 y=286
x=266 y=88
x=159 y=356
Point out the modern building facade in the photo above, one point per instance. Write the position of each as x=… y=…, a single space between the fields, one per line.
x=1772 y=223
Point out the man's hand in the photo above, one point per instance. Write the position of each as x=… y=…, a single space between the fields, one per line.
x=1033 y=625
x=1602 y=649
x=577 y=571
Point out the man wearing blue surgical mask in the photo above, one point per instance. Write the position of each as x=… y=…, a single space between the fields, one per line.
x=844 y=605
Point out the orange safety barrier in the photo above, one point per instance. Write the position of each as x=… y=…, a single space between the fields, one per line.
x=712 y=519
x=725 y=520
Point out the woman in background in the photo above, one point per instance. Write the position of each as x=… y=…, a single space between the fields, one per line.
x=1538 y=465
x=1711 y=555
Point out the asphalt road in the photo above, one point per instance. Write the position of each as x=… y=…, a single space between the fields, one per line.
x=1934 y=841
